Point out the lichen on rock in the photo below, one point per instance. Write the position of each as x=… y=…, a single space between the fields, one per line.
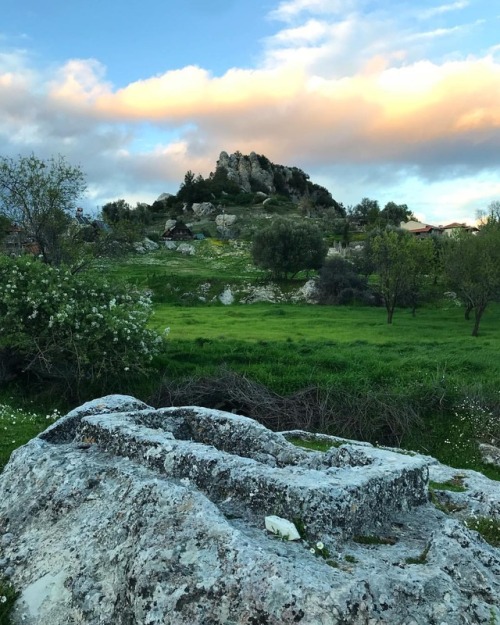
x=121 y=513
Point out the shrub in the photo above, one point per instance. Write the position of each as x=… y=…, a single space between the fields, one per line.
x=339 y=283
x=71 y=327
x=286 y=247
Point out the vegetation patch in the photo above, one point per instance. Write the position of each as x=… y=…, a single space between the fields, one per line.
x=314 y=445
x=488 y=527
x=8 y=596
x=455 y=485
x=421 y=558
x=374 y=540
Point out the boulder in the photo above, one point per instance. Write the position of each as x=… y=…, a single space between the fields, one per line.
x=490 y=454
x=203 y=209
x=120 y=513
x=186 y=249
x=225 y=220
x=169 y=224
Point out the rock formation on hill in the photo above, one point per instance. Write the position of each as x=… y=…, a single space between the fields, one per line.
x=123 y=514
x=256 y=173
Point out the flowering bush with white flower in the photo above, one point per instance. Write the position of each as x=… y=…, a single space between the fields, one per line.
x=74 y=327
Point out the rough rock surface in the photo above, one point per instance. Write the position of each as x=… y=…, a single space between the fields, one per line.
x=256 y=173
x=146 y=245
x=203 y=209
x=123 y=514
x=490 y=454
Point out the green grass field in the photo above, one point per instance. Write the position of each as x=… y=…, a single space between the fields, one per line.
x=426 y=364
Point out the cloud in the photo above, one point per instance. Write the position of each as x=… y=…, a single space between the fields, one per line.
x=348 y=96
x=444 y=8
x=289 y=10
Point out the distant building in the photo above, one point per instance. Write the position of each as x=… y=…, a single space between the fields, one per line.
x=455 y=228
x=178 y=232
x=420 y=229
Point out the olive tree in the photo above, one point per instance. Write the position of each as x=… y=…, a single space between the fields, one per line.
x=40 y=196
x=472 y=266
x=286 y=247
x=401 y=262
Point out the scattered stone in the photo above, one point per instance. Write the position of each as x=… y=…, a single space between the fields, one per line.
x=145 y=246
x=281 y=527
x=490 y=454
x=186 y=249
x=227 y=297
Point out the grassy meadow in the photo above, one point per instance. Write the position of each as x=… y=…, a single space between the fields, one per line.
x=437 y=383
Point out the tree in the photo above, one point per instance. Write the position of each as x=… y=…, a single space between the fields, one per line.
x=472 y=266
x=393 y=214
x=40 y=196
x=287 y=247
x=339 y=283
x=401 y=261
x=367 y=212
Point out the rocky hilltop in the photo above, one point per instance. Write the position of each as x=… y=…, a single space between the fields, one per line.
x=120 y=513
x=256 y=173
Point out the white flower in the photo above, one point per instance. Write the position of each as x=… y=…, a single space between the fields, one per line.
x=312 y=550
x=320 y=545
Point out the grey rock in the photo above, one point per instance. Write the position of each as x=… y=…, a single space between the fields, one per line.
x=170 y=223
x=159 y=518
x=203 y=209
x=186 y=249
x=490 y=454
x=225 y=220
x=146 y=245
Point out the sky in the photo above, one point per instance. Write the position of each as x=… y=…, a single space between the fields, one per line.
x=394 y=101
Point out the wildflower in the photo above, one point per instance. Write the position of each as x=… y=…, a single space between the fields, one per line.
x=320 y=545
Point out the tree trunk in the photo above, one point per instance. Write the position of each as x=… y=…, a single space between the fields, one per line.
x=477 y=319
x=468 y=310
x=390 y=313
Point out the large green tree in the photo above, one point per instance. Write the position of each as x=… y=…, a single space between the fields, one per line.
x=40 y=196
x=367 y=212
x=286 y=247
x=401 y=261
x=472 y=266
x=393 y=214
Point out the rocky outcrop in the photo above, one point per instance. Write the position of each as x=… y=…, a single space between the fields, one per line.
x=203 y=209
x=255 y=173
x=123 y=514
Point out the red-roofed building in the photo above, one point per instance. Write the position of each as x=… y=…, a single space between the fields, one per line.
x=455 y=228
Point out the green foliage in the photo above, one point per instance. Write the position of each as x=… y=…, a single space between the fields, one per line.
x=40 y=196
x=287 y=247
x=366 y=213
x=8 y=596
x=72 y=327
x=19 y=425
x=472 y=266
x=340 y=284
x=313 y=445
x=400 y=261
x=488 y=527
x=455 y=485
x=393 y=214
